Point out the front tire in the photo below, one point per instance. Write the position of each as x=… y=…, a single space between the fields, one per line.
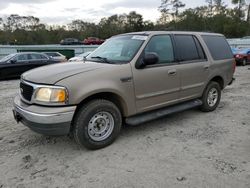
x=97 y=124
x=211 y=97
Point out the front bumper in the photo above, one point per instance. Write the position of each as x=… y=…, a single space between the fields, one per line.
x=44 y=120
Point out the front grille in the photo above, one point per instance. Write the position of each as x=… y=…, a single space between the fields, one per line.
x=26 y=91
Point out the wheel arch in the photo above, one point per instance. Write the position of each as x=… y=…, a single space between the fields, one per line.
x=219 y=80
x=110 y=96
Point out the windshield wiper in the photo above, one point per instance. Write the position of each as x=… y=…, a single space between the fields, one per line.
x=103 y=59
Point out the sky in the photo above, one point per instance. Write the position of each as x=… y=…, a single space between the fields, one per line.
x=60 y=12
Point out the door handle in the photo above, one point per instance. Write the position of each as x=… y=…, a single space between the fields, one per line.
x=172 y=72
x=206 y=67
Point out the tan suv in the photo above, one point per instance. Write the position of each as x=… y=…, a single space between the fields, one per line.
x=131 y=78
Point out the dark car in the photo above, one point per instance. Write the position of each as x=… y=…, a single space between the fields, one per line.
x=14 y=65
x=70 y=41
x=93 y=40
x=242 y=56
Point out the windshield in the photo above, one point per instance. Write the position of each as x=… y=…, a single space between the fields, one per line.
x=120 y=49
x=8 y=57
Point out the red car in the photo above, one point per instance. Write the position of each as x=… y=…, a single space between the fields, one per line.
x=242 y=56
x=93 y=40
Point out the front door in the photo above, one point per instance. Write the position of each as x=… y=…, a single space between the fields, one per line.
x=157 y=85
x=17 y=65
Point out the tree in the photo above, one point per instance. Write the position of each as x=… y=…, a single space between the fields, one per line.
x=210 y=7
x=28 y=23
x=77 y=25
x=215 y=7
x=164 y=18
x=241 y=4
x=112 y=25
x=171 y=7
x=148 y=25
x=122 y=23
x=11 y=23
x=31 y=23
x=219 y=6
x=134 y=22
x=218 y=3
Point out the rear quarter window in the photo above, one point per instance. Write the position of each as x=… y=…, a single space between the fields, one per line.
x=218 y=47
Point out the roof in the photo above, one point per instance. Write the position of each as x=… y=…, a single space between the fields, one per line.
x=170 y=32
x=29 y=53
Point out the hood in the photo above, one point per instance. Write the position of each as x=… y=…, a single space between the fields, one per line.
x=53 y=73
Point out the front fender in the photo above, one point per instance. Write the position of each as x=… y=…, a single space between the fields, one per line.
x=82 y=86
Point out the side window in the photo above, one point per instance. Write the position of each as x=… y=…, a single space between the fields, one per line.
x=55 y=55
x=35 y=56
x=43 y=57
x=186 y=47
x=23 y=57
x=51 y=54
x=218 y=47
x=162 y=46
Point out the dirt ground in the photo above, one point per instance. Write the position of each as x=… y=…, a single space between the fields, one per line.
x=188 y=149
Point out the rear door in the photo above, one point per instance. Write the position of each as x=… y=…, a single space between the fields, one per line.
x=157 y=85
x=44 y=59
x=194 y=66
x=37 y=60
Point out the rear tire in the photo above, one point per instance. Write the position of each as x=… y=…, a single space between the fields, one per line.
x=211 y=97
x=97 y=124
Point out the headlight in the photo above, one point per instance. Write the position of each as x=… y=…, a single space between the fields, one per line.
x=52 y=95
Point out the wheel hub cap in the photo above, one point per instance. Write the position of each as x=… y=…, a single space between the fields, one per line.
x=101 y=126
x=212 y=97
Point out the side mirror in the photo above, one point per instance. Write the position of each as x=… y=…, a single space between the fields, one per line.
x=13 y=61
x=150 y=58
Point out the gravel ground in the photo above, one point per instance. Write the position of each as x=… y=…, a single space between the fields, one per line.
x=188 y=149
